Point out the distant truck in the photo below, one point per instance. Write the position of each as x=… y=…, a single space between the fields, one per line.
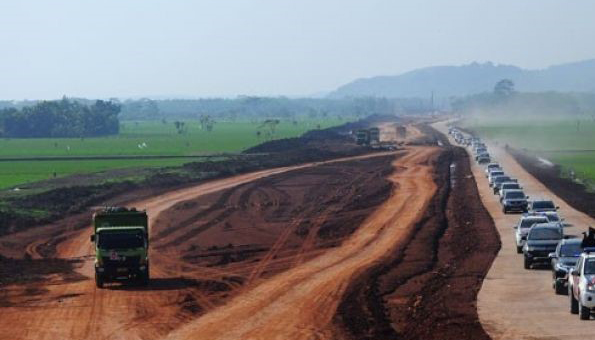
x=362 y=137
x=374 y=135
x=401 y=131
x=121 y=238
x=368 y=136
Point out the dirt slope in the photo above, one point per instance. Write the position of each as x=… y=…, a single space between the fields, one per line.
x=428 y=290
x=300 y=303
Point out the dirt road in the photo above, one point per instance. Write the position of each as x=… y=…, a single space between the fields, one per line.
x=300 y=303
x=515 y=303
x=59 y=309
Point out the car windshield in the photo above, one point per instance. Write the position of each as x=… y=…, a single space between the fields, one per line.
x=545 y=234
x=510 y=186
x=529 y=222
x=543 y=205
x=590 y=266
x=501 y=179
x=497 y=173
x=553 y=218
x=571 y=250
x=120 y=240
x=515 y=195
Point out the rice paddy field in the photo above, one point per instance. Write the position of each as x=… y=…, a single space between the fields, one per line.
x=569 y=142
x=142 y=138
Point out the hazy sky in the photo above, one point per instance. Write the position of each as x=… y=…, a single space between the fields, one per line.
x=120 y=48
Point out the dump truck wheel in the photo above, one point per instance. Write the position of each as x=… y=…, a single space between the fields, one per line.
x=144 y=279
x=98 y=281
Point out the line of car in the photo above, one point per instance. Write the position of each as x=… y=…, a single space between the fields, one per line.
x=539 y=234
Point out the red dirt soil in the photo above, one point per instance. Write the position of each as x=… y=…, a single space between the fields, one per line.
x=429 y=289
x=213 y=258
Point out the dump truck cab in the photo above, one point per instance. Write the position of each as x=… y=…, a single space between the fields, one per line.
x=362 y=137
x=121 y=238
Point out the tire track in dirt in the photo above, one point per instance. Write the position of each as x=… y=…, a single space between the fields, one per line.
x=300 y=303
x=138 y=313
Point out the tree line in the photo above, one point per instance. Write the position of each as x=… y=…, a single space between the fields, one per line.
x=62 y=118
x=505 y=101
x=262 y=108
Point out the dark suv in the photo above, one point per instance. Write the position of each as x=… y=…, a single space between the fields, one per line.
x=542 y=240
x=542 y=205
x=514 y=200
x=563 y=260
x=501 y=179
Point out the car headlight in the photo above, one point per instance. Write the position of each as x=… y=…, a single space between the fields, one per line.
x=591 y=287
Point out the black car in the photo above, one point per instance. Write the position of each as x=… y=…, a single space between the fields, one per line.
x=542 y=205
x=563 y=260
x=514 y=200
x=542 y=240
x=483 y=158
x=501 y=179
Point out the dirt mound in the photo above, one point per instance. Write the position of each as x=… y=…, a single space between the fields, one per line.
x=575 y=194
x=429 y=289
x=337 y=139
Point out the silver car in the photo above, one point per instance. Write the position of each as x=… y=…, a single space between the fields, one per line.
x=522 y=229
x=493 y=175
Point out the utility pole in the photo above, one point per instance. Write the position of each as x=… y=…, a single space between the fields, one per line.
x=432 y=102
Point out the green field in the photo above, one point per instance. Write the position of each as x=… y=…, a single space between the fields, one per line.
x=152 y=138
x=568 y=142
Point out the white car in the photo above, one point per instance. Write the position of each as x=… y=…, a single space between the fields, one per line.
x=522 y=229
x=581 y=285
x=494 y=174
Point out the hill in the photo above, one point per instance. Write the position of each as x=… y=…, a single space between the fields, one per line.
x=448 y=81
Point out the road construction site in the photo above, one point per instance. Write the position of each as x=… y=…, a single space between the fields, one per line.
x=383 y=245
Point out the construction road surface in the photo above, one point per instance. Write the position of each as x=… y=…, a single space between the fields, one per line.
x=300 y=303
x=515 y=303
x=296 y=304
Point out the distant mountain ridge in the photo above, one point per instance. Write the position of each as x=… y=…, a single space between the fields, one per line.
x=448 y=81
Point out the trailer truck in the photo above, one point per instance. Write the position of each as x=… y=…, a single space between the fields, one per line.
x=121 y=239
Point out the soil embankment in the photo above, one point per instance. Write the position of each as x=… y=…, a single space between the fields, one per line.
x=575 y=194
x=428 y=289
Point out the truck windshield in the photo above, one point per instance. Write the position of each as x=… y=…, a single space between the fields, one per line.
x=590 y=266
x=120 y=240
x=545 y=234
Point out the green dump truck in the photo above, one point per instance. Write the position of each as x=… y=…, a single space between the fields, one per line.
x=121 y=238
x=367 y=136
